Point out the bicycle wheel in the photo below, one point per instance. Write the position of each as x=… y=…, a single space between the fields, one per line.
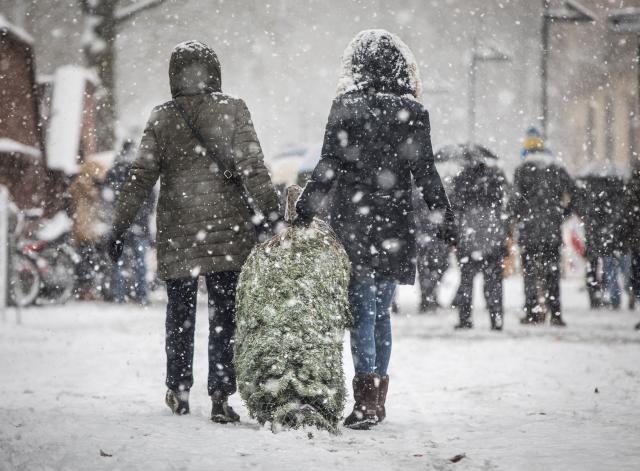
x=24 y=284
x=60 y=280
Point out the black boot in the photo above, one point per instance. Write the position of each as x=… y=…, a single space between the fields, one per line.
x=381 y=411
x=464 y=313
x=221 y=411
x=556 y=321
x=497 y=320
x=365 y=393
x=177 y=401
x=532 y=316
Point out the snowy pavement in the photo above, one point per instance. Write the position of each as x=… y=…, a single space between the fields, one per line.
x=82 y=378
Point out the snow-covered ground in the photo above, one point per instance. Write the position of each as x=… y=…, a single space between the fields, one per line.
x=82 y=378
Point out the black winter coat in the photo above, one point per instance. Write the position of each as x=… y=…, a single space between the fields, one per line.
x=478 y=199
x=374 y=143
x=632 y=212
x=542 y=195
x=600 y=204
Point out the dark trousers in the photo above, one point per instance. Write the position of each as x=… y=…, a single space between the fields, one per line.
x=594 y=287
x=491 y=269
x=635 y=273
x=541 y=272
x=432 y=263
x=180 y=328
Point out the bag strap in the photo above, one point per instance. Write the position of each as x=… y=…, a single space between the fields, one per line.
x=228 y=174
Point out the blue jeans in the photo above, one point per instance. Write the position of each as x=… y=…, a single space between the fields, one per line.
x=131 y=285
x=611 y=265
x=370 y=298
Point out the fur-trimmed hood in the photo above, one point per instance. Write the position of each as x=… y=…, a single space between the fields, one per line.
x=378 y=61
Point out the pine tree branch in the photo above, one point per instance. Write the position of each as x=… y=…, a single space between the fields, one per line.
x=128 y=12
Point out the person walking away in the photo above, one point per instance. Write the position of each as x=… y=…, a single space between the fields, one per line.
x=137 y=238
x=478 y=200
x=600 y=204
x=542 y=194
x=632 y=228
x=588 y=188
x=377 y=138
x=89 y=224
x=615 y=258
x=204 y=226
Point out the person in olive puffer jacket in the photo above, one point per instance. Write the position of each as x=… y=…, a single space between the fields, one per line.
x=203 y=224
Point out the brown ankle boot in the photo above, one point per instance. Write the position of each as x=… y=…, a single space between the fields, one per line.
x=381 y=412
x=365 y=393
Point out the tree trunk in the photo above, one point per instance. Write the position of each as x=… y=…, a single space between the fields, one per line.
x=99 y=43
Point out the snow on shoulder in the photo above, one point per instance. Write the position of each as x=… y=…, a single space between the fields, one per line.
x=379 y=59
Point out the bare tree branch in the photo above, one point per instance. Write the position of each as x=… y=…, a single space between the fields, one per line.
x=128 y=12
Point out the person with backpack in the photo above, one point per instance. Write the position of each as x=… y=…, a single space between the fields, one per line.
x=203 y=147
x=542 y=198
x=478 y=199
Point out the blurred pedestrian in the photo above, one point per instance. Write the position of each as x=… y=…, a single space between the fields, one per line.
x=632 y=228
x=203 y=147
x=542 y=194
x=478 y=199
x=377 y=140
x=129 y=275
x=599 y=202
x=89 y=226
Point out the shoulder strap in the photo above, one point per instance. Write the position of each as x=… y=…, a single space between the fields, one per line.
x=227 y=172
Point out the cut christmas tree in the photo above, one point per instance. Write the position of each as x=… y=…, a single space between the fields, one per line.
x=291 y=311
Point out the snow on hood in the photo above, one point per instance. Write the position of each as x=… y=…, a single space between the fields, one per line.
x=379 y=60
x=194 y=69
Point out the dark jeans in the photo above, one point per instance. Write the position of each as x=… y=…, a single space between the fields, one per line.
x=541 y=272
x=370 y=298
x=180 y=328
x=594 y=287
x=635 y=273
x=491 y=269
x=129 y=276
x=612 y=265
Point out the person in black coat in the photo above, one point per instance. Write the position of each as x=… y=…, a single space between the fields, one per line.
x=377 y=142
x=137 y=239
x=632 y=228
x=478 y=199
x=542 y=194
x=598 y=203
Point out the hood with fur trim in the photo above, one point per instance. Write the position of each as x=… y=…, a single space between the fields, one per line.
x=377 y=61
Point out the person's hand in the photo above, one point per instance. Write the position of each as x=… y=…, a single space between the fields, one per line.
x=115 y=246
x=448 y=233
x=301 y=221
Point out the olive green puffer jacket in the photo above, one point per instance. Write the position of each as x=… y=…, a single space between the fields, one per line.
x=203 y=224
